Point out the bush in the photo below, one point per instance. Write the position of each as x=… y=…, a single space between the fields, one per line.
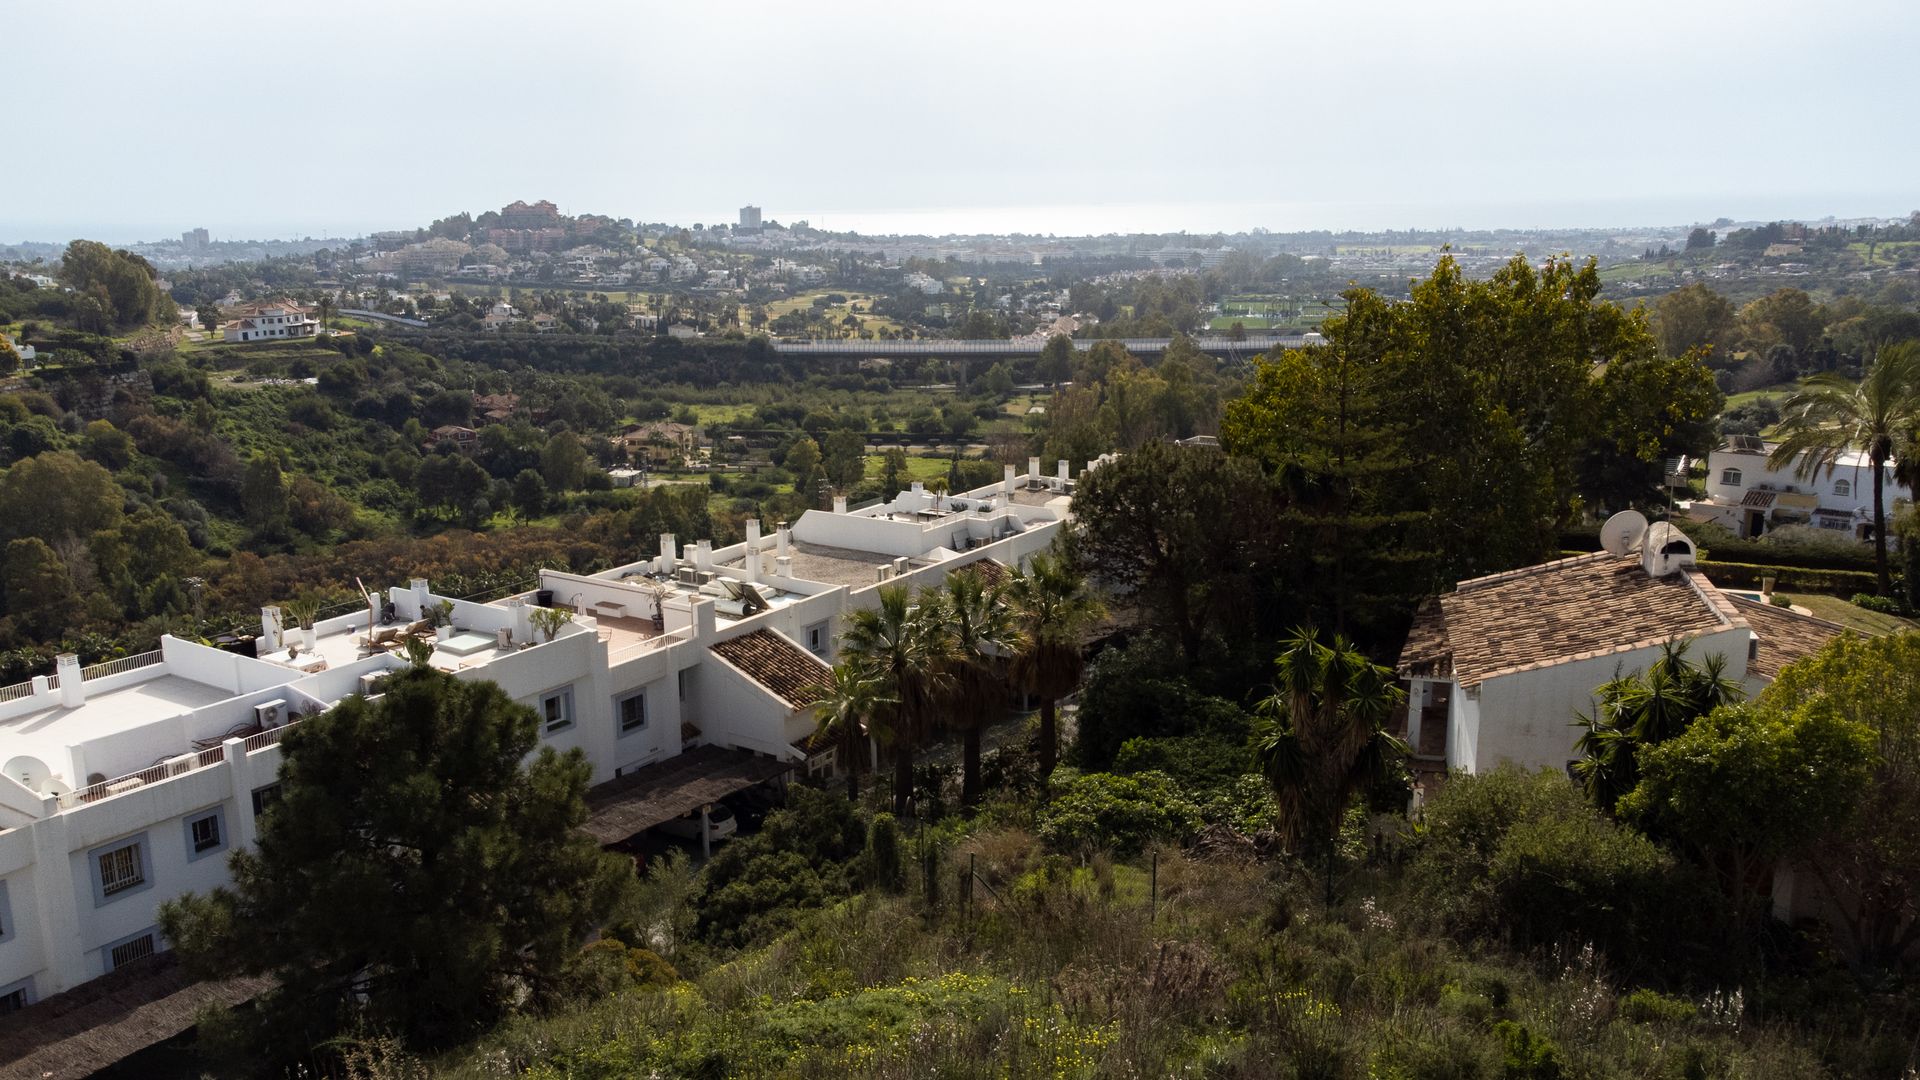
x=1792 y=578
x=1653 y=1007
x=1885 y=605
x=882 y=857
x=1117 y=813
x=1134 y=692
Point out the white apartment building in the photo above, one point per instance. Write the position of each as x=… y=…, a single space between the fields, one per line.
x=1749 y=497
x=128 y=783
x=274 y=320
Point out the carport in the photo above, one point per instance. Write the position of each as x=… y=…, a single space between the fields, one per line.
x=658 y=793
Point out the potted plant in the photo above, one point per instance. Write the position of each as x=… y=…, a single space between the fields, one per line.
x=441 y=615
x=549 y=620
x=303 y=613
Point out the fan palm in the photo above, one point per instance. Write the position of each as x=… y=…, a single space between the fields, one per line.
x=904 y=650
x=853 y=698
x=1321 y=736
x=1052 y=607
x=1645 y=709
x=1830 y=415
x=980 y=630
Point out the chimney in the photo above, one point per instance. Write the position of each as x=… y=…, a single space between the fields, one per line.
x=783 y=566
x=839 y=504
x=703 y=555
x=420 y=597
x=752 y=561
x=666 y=554
x=522 y=618
x=918 y=487
x=270 y=627
x=783 y=536
x=1033 y=470
x=73 y=689
x=1006 y=479
x=1066 y=471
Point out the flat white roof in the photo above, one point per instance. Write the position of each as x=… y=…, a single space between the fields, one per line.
x=48 y=733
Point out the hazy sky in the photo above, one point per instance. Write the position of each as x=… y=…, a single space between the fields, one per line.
x=140 y=119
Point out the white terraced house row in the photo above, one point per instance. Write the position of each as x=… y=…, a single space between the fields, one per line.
x=127 y=784
x=1752 y=497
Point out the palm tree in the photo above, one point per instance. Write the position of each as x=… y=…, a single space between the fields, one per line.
x=853 y=698
x=1642 y=710
x=1052 y=607
x=905 y=651
x=1321 y=736
x=1829 y=416
x=980 y=631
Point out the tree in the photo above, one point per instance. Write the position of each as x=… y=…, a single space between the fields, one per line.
x=904 y=650
x=1055 y=365
x=1746 y=785
x=845 y=459
x=853 y=698
x=1692 y=317
x=893 y=472
x=980 y=633
x=1187 y=531
x=1830 y=416
x=801 y=459
x=58 y=497
x=209 y=318
x=416 y=874
x=264 y=495
x=1700 y=239
x=563 y=462
x=38 y=589
x=529 y=493
x=1321 y=737
x=1784 y=315
x=1645 y=709
x=1052 y=609
x=1871 y=864
x=9 y=357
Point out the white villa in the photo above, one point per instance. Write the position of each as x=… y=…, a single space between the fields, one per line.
x=1497 y=669
x=681 y=674
x=1750 y=498
x=270 y=321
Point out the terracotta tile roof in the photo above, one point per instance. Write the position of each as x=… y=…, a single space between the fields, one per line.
x=789 y=672
x=1571 y=609
x=657 y=793
x=992 y=573
x=1784 y=636
x=99 y=1022
x=1759 y=500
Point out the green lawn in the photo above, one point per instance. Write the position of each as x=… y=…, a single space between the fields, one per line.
x=918 y=468
x=1834 y=609
x=1778 y=391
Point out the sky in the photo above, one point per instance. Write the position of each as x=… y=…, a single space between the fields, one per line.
x=139 y=119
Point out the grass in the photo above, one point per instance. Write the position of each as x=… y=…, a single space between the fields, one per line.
x=1848 y=614
x=918 y=468
x=835 y=312
x=1779 y=391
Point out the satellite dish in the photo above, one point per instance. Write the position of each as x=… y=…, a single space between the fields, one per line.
x=1622 y=531
x=31 y=772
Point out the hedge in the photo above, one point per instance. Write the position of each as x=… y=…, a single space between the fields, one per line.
x=1842 y=583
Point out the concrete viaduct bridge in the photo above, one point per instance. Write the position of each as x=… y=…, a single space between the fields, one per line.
x=1216 y=345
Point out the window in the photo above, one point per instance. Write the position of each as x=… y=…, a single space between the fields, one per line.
x=556 y=709
x=6 y=914
x=632 y=712
x=127 y=950
x=817 y=639
x=681 y=677
x=1730 y=477
x=119 y=869
x=16 y=996
x=264 y=797
x=206 y=834
x=1842 y=487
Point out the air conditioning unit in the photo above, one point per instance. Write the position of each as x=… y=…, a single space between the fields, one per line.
x=900 y=566
x=702 y=577
x=270 y=714
x=370 y=682
x=687 y=575
x=883 y=572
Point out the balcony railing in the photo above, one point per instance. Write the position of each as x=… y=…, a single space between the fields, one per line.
x=269 y=737
x=153 y=774
x=125 y=663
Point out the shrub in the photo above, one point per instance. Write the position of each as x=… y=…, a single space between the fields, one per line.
x=1118 y=813
x=1885 y=605
x=882 y=857
x=1799 y=579
x=1651 y=1006
x=1529 y=1056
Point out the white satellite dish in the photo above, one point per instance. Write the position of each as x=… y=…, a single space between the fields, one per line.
x=31 y=772
x=1622 y=531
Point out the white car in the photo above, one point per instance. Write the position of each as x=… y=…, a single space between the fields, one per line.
x=721 y=824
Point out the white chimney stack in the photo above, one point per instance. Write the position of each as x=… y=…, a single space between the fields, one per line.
x=73 y=690
x=420 y=595
x=1033 y=470
x=1006 y=479
x=783 y=536
x=270 y=627
x=783 y=566
x=1066 y=471
x=703 y=556
x=752 y=561
x=666 y=554
x=839 y=504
